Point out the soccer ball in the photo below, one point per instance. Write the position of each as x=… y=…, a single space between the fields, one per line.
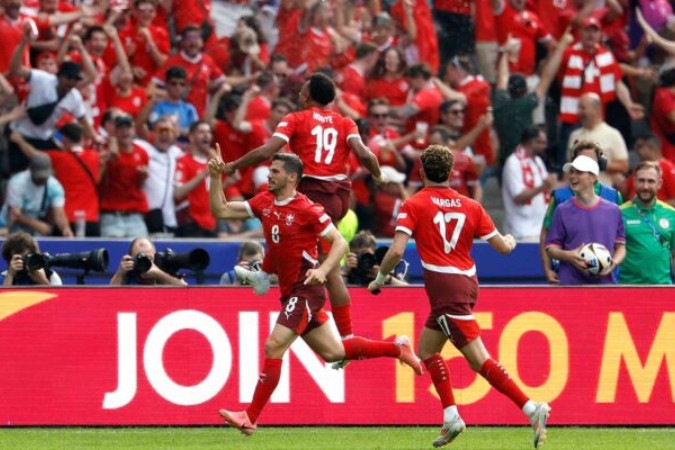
x=597 y=258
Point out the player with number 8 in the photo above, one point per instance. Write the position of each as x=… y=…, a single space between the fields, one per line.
x=323 y=139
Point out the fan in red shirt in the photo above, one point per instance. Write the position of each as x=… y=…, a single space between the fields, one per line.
x=444 y=225
x=387 y=79
x=663 y=113
x=292 y=223
x=147 y=45
x=323 y=140
x=11 y=29
x=425 y=45
x=203 y=74
x=352 y=78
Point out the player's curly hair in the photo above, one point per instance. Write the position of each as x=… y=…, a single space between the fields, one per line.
x=437 y=162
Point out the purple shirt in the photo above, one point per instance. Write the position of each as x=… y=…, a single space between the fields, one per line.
x=575 y=224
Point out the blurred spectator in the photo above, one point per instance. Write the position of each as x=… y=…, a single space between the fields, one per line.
x=526 y=185
x=563 y=194
x=352 y=78
x=513 y=105
x=250 y=256
x=78 y=170
x=421 y=43
x=248 y=49
x=387 y=200
x=474 y=92
x=522 y=31
x=588 y=67
x=50 y=97
x=595 y=129
x=387 y=80
x=138 y=267
x=266 y=91
x=586 y=219
x=191 y=192
x=464 y=176
x=146 y=44
x=158 y=186
x=454 y=27
x=663 y=113
x=14 y=251
x=421 y=112
x=383 y=139
x=184 y=113
x=486 y=40
x=650 y=231
x=203 y=75
x=124 y=167
x=35 y=201
x=12 y=25
x=648 y=149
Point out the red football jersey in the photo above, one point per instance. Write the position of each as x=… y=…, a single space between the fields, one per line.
x=291 y=229
x=444 y=225
x=319 y=137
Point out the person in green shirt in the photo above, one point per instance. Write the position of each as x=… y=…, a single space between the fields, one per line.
x=650 y=231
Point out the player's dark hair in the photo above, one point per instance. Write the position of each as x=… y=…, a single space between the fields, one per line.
x=292 y=163
x=17 y=243
x=321 y=89
x=437 y=162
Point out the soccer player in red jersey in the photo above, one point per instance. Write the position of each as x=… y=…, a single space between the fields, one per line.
x=444 y=225
x=323 y=140
x=292 y=224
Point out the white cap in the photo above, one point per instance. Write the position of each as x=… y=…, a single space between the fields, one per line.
x=392 y=175
x=583 y=163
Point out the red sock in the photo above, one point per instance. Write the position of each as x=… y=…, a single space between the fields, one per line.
x=440 y=376
x=499 y=378
x=267 y=383
x=342 y=315
x=361 y=348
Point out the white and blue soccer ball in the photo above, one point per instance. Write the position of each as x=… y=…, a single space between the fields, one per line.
x=597 y=258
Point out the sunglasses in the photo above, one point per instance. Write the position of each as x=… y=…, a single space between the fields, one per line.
x=455 y=112
x=379 y=116
x=177 y=83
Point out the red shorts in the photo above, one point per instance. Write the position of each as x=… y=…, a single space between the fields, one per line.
x=302 y=311
x=334 y=196
x=452 y=299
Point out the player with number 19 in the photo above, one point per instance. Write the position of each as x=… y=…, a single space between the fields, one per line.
x=323 y=139
x=444 y=224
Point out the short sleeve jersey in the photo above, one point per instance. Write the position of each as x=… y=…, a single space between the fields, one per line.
x=319 y=137
x=444 y=225
x=291 y=228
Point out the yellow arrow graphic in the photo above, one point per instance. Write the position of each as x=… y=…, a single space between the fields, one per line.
x=13 y=302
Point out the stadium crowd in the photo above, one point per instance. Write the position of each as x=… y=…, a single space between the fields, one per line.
x=129 y=97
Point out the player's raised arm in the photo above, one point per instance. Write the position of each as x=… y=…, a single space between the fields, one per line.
x=220 y=207
x=257 y=155
x=366 y=157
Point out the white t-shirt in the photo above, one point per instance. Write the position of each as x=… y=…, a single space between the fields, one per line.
x=34 y=201
x=43 y=91
x=610 y=140
x=523 y=221
x=158 y=186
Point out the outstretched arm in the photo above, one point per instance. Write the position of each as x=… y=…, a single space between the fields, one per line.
x=366 y=157
x=220 y=207
x=256 y=156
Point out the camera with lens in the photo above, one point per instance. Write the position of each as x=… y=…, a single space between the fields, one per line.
x=362 y=273
x=94 y=260
x=195 y=260
x=142 y=263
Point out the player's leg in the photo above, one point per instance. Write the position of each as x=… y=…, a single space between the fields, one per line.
x=432 y=340
x=285 y=332
x=324 y=342
x=480 y=361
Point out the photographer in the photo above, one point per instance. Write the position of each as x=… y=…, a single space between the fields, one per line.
x=251 y=253
x=23 y=256
x=138 y=267
x=362 y=263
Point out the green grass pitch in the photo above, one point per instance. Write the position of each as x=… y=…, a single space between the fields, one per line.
x=329 y=438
